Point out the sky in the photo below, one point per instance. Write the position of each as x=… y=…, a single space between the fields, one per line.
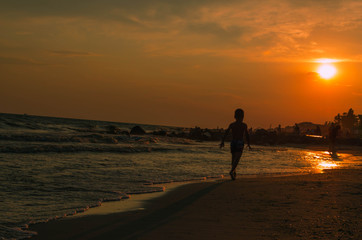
x=181 y=63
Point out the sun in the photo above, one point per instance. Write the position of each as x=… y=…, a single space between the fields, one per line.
x=326 y=71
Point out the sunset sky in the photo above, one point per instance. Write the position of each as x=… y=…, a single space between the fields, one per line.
x=181 y=63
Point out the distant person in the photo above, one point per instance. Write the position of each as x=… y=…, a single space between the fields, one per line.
x=238 y=129
x=333 y=132
x=318 y=131
x=296 y=129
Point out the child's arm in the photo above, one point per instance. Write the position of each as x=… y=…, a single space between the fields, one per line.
x=247 y=136
x=223 y=139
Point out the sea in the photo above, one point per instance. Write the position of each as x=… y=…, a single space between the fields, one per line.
x=57 y=167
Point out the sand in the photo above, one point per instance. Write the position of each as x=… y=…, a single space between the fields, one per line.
x=313 y=206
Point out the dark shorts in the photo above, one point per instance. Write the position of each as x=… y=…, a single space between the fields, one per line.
x=236 y=146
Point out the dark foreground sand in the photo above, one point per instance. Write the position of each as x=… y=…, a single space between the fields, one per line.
x=315 y=206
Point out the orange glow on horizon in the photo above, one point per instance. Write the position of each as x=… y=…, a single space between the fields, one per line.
x=327 y=60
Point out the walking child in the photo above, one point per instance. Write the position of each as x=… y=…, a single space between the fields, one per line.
x=238 y=129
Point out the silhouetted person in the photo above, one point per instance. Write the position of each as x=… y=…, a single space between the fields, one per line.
x=238 y=129
x=333 y=132
x=318 y=131
x=296 y=129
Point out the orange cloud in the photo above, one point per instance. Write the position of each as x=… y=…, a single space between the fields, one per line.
x=66 y=53
x=19 y=61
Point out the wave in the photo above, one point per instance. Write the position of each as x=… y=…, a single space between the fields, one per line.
x=15 y=232
x=59 y=138
x=88 y=138
x=25 y=122
x=24 y=142
x=74 y=148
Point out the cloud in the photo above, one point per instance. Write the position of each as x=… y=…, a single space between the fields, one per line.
x=357 y=94
x=312 y=74
x=23 y=33
x=224 y=34
x=274 y=30
x=18 y=61
x=66 y=53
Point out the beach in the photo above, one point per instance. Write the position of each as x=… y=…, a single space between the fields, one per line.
x=308 y=206
x=132 y=119
x=78 y=179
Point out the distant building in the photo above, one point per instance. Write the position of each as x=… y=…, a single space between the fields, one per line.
x=348 y=120
x=306 y=128
x=350 y=123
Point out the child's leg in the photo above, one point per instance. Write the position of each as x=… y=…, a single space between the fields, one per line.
x=232 y=160
x=235 y=160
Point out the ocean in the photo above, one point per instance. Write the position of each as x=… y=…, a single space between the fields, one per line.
x=56 y=167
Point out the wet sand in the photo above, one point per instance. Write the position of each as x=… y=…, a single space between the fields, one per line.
x=313 y=206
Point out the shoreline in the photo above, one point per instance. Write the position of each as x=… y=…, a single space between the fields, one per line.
x=151 y=203
x=216 y=205
x=137 y=200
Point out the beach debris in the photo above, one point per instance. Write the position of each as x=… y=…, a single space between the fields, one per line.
x=113 y=129
x=125 y=133
x=137 y=130
x=160 y=133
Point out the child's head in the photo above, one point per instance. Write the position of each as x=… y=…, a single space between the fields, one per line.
x=239 y=114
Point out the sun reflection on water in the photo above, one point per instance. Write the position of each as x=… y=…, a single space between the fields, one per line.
x=322 y=160
x=328 y=165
